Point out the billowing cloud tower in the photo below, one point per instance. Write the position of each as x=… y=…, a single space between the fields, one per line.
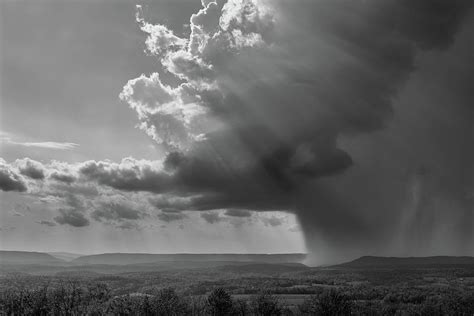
x=271 y=105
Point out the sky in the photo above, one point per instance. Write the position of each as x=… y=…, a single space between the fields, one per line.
x=338 y=128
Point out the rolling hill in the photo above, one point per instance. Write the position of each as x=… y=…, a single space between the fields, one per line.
x=26 y=257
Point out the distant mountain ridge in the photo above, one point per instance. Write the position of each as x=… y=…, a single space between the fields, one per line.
x=138 y=258
x=66 y=256
x=373 y=261
x=27 y=257
x=189 y=260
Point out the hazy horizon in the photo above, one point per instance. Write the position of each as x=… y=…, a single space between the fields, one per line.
x=156 y=253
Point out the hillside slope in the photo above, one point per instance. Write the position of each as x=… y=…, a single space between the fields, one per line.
x=66 y=256
x=26 y=257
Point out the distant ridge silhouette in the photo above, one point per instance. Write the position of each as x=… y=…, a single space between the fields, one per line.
x=373 y=261
x=27 y=257
x=137 y=258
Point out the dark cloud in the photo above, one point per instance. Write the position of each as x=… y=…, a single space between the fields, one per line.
x=238 y=213
x=211 y=217
x=46 y=223
x=115 y=211
x=9 y=179
x=170 y=202
x=30 y=168
x=71 y=217
x=63 y=177
x=129 y=175
x=294 y=112
x=171 y=216
x=199 y=183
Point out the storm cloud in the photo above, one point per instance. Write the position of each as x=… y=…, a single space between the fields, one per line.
x=264 y=120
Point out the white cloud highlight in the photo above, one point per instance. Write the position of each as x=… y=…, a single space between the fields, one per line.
x=6 y=138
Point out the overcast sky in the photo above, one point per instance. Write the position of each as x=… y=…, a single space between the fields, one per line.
x=341 y=128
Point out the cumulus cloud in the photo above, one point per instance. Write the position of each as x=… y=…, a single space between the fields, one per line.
x=10 y=180
x=73 y=210
x=176 y=116
x=192 y=183
x=211 y=217
x=116 y=212
x=71 y=217
x=129 y=175
x=61 y=172
x=160 y=39
x=30 y=168
x=62 y=177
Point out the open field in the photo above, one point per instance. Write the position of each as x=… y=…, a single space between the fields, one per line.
x=446 y=289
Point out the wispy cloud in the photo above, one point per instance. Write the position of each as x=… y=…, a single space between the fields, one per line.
x=6 y=138
x=49 y=145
